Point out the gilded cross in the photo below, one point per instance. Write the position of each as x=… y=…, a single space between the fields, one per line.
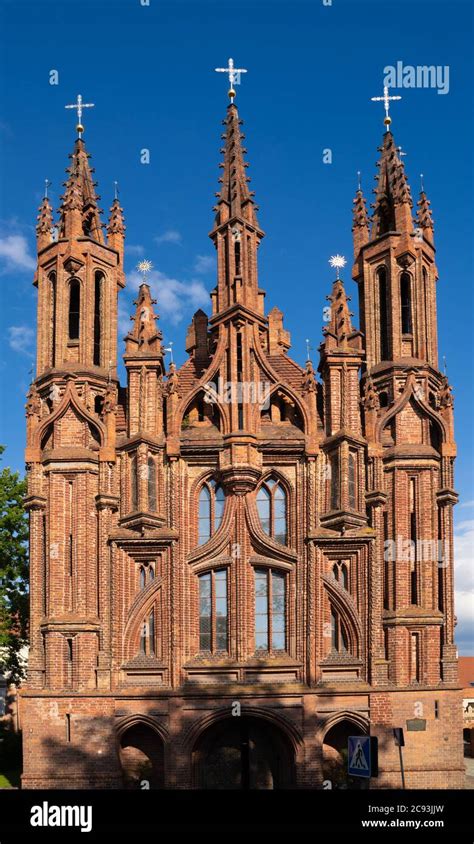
x=234 y=76
x=79 y=105
x=386 y=100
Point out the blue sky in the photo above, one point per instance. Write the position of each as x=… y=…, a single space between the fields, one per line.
x=312 y=69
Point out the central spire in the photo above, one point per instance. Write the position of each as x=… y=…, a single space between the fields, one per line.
x=236 y=233
x=79 y=211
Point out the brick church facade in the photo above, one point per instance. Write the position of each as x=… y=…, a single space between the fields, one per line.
x=212 y=599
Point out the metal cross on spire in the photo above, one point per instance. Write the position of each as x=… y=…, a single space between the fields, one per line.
x=47 y=184
x=79 y=105
x=386 y=100
x=234 y=76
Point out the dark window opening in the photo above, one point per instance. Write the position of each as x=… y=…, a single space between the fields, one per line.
x=98 y=292
x=405 y=303
x=74 y=309
x=382 y=280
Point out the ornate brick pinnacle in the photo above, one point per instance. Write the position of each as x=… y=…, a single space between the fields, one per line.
x=80 y=195
x=45 y=217
x=234 y=192
x=145 y=337
x=116 y=223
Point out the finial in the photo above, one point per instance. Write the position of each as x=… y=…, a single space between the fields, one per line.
x=309 y=349
x=386 y=100
x=234 y=76
x=116 y=190
x=422 y=187
x=358 y=181
x=170 y=350
x=79 y=105
x=144 y=267
x=47 y=184
x=337 y=262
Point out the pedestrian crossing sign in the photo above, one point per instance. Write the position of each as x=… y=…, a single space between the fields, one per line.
x=358 y=756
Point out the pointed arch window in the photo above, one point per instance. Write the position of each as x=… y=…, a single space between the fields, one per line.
x=272 y=510
x=383 y=312
x=98 y=311
x=74 y=308
x=211 y=510
x=341 y=574
x=339 y=637
x=405 y=303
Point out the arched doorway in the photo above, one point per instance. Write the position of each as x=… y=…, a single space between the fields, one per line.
x=243 y=753
x=335 y=755
x=142 y=757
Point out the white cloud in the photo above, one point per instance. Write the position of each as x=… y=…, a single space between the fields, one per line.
x=464 y=584
x=174 y=297
x=21 y=339
x=134 y=249
x=467 y=503
x=14 y=251
x=169 y=236
x=204 y=264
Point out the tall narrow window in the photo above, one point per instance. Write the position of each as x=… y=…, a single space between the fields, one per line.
x=211 y=510
x=270 y=610
x=147 y=635
x=213 y=622
x=98 y=309
x=415 y=658
x=134 y=480
x=413 y=538
x=334 y=480
x=272 y=510
x=151 y=633
x=151 y=484
x=441 y=562
x=240 y=407
x=352 y=481
x=142 y=577
x=386 y=564
x=382 y=283
x=405 y=303
x=237 y=257
x=74 y=308
x=339 y=637
x=52 y=311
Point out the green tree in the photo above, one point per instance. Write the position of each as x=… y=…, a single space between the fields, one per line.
x=14 y=599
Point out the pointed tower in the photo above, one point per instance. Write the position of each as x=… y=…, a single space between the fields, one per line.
x=341 y=358
x=236 y=233
x=410 y=444
x=71 y=440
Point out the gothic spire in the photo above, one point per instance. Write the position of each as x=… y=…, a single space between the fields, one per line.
x=79 y=211
x=393 y=202
x=144 y=337
x=44 y=225
x=360 y=222
x=235 y=200
x=424 y=219
x=339 y=331
x=116 y=224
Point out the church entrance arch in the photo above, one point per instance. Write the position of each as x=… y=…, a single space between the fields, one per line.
x=243 y=753
x=141 y=753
